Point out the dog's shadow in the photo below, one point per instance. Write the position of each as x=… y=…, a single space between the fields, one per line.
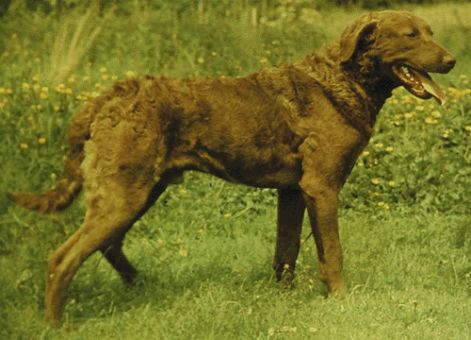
x=100 y=293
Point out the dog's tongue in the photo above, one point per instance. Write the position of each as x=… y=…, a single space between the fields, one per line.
x=430 y=86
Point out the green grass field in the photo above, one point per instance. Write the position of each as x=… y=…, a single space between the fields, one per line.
x=204 y=250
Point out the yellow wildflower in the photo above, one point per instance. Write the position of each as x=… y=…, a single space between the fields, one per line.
x=365 y=153
x=60 y=88
x=23 y=146
x=431 y=121
x=389 y=149
x=130 y=74
x=36 y=77
x=375 y=181
x=25 y=87
x=103 y=70
x=392 y=184
x=436 y=114
x=446 y=133
x=42 y=140
x=383 y=205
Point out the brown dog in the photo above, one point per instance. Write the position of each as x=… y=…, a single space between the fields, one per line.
x=295 y=128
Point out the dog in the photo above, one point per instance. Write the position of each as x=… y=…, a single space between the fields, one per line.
x=297 y=128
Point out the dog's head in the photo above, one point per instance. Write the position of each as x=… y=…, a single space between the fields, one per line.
x=399 y=46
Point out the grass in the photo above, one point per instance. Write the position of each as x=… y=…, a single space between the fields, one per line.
x=204 y=251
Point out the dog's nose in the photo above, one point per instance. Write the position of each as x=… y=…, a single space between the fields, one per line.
x=449 y=61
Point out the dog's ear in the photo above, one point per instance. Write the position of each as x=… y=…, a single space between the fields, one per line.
x=361 y=33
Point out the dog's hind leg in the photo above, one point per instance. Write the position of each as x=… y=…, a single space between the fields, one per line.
x=114 y=252
x=115 y=256
x=114 y=203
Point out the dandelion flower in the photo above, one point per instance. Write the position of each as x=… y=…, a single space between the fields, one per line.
x=42 y=140
x=60 y=88
x=375 y=181
x=392 y=184
x=23 y=146
x=25 y=87
x=446 y=133
x=389 y=149
x=431 y=121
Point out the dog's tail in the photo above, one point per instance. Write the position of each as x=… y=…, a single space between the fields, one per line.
x=70 y=181
x=58 y=198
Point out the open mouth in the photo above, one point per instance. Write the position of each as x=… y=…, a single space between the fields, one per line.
x=419 y=83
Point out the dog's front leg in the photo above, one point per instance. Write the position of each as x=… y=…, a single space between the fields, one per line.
x=290 y=218
x=321 y=201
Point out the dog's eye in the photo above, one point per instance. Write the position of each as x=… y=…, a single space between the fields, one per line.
x=411 y=34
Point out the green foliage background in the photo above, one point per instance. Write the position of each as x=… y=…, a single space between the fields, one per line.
x=205 y=249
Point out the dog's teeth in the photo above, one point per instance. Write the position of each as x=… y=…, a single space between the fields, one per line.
x=407 y=73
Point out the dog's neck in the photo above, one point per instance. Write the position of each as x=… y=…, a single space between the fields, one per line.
x=371 y=79
x=362 y=93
